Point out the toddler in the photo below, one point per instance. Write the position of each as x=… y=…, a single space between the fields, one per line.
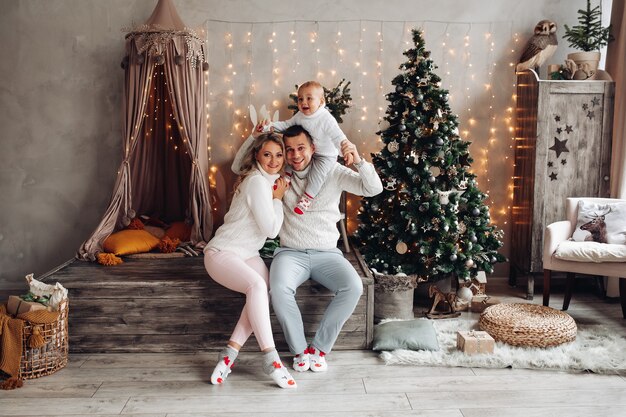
x=327 y=138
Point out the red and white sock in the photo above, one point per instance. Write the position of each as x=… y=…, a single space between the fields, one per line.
x=304 y=204
x=318 y=360
x=225 y=362
x=273 y=366
x=302 y=362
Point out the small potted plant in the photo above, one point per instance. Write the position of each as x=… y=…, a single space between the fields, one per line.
x=588 y=36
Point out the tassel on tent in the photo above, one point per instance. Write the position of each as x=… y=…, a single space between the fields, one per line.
x=109 y=259
x=36 y=340
x=168 y=245
x=135 y=224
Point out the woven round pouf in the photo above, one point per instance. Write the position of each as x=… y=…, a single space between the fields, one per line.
x=528 y=325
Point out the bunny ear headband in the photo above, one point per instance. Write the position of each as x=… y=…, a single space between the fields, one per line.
x=263 y=113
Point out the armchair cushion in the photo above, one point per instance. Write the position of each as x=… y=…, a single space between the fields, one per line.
x=604 y=223
x=590 y=252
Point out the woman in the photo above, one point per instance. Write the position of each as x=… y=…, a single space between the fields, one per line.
x=232 y=257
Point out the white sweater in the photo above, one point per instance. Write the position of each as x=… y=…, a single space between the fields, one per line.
x=317 y=227
x=323 y=128
x=253 y=216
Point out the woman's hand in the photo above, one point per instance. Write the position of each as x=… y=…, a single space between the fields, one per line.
x=280 y=186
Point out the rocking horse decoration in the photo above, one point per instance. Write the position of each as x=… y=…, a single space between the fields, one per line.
x=448 y=302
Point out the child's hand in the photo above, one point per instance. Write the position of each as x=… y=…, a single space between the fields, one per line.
x=262 y=127
x=279 y=188
x=350 y=153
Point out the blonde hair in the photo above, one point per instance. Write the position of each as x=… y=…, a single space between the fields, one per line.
x=248 y=164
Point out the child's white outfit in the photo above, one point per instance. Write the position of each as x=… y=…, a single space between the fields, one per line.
x=327 y=137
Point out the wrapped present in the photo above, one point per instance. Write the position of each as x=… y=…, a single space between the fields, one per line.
x=473 y=341
x=481 y=302
x=16 y=306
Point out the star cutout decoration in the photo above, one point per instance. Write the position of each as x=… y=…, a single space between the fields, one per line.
x=557 y=118
x=563 y=161
x=553 y=176
x=559 y=146
x=585 y=106
x=550 y=164
x=559 y=130
x=426 y=227
x=591 y=114
x=595 y=101
x=568 y=129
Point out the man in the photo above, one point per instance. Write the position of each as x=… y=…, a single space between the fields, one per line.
x=309 y=249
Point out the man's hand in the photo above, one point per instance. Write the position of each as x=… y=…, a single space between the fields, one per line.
x=350 y=153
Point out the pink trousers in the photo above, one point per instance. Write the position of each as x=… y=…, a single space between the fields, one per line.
x=249 y=277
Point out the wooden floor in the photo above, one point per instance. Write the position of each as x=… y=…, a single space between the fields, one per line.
x=357 y=384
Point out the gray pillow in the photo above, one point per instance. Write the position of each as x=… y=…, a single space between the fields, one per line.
x=405 y=334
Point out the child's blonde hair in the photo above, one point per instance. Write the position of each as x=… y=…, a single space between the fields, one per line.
x=315 y=85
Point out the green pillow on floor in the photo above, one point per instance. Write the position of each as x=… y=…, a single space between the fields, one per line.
x=405 y=334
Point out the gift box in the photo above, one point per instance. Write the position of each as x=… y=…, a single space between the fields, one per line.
x=15 y=306
x=481 y=302
x=473 y=341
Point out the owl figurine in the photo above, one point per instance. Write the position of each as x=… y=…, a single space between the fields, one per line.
x=540 y=47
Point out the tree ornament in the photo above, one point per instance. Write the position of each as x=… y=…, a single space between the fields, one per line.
x=453 y=257
x=475 y=212
x=469 y=263
x=434 y=170
x=402 y=127
x=399 y=89
x=432 y=179
x=465 y=294
x=401 y=248
x=439 y=141
x=473 y=238
x=391 y=184
x=462 y=227
x=393 y=146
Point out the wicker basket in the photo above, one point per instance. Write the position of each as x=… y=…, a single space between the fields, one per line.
x=52 y=356
x=528 y=325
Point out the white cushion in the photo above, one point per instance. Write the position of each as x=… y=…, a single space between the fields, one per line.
x=607 y=221
x=590 y=252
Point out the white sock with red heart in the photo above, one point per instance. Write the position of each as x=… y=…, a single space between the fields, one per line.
x=318 y=360
x=273 y=366
x=225 y=362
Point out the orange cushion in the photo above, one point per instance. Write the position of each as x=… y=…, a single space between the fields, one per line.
x=179 y=230
x=126 y=242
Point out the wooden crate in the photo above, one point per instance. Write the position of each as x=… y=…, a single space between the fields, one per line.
x=172 y=305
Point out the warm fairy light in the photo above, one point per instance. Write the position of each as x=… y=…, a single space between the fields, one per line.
x=466 y=58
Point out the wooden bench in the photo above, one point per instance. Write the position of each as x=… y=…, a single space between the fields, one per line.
x=172 y=305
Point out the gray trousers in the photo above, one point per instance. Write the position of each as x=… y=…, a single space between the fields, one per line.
x=290 y=269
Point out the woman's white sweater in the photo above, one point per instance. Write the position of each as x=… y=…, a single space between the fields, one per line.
x=253 y=216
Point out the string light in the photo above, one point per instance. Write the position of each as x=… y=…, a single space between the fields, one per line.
x=483 y=118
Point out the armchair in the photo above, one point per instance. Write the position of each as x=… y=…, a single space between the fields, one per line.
x=559 y=232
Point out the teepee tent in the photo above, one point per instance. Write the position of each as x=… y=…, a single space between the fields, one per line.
x=164 y=170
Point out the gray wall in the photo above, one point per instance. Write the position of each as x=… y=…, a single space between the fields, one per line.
x=60 y=95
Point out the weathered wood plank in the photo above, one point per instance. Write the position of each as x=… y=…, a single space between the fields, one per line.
x=161 y=305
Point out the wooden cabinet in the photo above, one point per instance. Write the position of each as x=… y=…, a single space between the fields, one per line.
x=562 y=149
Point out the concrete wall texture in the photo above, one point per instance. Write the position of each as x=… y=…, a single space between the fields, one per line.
x=60 y=96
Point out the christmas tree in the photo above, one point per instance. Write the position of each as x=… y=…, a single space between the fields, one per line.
x=430 y=219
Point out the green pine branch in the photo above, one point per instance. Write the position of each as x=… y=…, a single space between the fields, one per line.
x=588 y=35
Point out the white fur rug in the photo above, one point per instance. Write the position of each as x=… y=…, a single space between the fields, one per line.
x=595 y=349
